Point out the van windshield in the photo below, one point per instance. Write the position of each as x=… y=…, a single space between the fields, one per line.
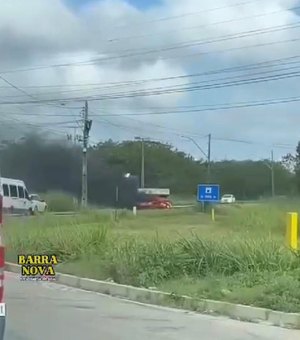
x=35 y=197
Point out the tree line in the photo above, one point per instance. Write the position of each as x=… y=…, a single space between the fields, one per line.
x=55 y=165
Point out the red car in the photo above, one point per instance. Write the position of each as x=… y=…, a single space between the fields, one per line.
x=155 y=203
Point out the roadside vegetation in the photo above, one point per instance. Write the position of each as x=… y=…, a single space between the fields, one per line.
x=239 y=258
x=54 y=165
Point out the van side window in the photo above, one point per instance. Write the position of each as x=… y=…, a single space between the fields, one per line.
x=5 y=190
x=26 y=194
x=21 y=192
x=13 y=191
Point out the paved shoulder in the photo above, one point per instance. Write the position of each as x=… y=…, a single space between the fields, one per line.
x=48 y=311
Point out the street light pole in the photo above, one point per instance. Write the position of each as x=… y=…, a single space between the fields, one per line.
x=207 y=155
x=272 y=174
x=208 y=158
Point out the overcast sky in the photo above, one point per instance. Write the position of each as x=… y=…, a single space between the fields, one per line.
x=92 y=46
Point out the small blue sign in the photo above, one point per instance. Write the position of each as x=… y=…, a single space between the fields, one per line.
x=208 y=193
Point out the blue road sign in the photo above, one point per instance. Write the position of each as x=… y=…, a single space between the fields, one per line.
x=208 y=193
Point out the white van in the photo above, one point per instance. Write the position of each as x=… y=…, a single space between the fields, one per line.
x=15 y=196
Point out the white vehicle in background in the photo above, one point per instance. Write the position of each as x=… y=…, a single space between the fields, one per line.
x=228 y=198
x=15 y=196
x=38 y=205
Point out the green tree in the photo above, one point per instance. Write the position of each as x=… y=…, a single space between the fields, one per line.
x=56 y=165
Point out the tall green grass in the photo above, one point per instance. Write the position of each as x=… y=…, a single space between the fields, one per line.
x=247 y=262
x=145 y=263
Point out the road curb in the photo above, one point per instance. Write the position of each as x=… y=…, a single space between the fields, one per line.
x=233 y=311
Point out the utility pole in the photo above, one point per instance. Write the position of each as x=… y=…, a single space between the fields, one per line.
x=272 y=174
x=87 y=124
x=74 y=136
x=270 y=165
x=208 y=158
x=143 y=165
x=142 y=160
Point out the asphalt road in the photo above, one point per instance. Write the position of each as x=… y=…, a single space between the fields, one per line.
x=48 y=311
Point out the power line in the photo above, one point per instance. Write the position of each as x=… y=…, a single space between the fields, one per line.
x=207 y=81
x=190 y=83
x=157 y=91
x=289 y=9
x=176 y=132
x=129 y=128
x=182 y=132
x=216 y=107
x=207 y=108
x=189 y=133
x=145 y=126
x=133 y=130
x=125 y=127
x=243 y=34
x=246 y=67
x=142 y=52
x=19 y=89
x=238 y=4
x=193 y=43
x=172 y=130
x=183 y=88
x=164 y=90
x=33 y=125
x=16 y=88
x=191 y=55
x=166 y=19
x=241 y=141
x=231 y=140
x=41 y=124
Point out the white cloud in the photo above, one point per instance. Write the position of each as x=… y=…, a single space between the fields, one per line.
x=42 y=32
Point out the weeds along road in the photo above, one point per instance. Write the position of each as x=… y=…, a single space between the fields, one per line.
x=52 y=312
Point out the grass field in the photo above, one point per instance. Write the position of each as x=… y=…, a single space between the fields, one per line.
x=240 y=257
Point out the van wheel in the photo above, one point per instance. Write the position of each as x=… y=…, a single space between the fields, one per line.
x=36 y=211
x=30 y=212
